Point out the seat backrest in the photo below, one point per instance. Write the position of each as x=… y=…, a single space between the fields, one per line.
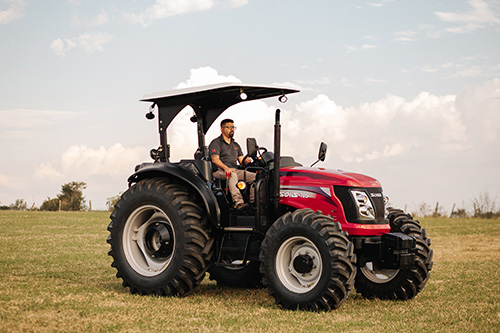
x=288 y=161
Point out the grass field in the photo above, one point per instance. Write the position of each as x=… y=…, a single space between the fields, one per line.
x=55 y=275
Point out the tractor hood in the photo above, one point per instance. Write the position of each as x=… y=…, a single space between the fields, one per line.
x=322 y=177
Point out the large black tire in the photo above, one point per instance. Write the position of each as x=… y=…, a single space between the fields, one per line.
x=248 y=276
x=398 y=284
x=307 y=261
x=159 y=240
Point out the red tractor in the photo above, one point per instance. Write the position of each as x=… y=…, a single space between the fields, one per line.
x=310 y=235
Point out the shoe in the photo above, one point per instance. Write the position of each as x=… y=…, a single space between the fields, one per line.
x=241 y=206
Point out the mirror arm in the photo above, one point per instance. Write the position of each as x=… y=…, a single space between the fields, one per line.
x=314 y=163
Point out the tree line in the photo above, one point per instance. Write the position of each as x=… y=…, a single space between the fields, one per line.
x=71 y=198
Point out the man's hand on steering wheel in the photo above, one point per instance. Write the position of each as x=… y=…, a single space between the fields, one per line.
x=254 y=160
x=247 y=160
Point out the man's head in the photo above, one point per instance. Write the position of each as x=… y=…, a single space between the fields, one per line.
x=227 y=128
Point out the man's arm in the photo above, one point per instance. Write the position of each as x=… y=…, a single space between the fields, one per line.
x=216 y=160
x=241 y=156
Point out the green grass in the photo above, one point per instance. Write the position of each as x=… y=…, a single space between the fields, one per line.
x=55 y=275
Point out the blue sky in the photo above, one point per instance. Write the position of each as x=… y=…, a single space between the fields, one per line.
x=404 y=91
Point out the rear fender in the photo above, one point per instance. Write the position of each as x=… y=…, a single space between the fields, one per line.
x=185 y=176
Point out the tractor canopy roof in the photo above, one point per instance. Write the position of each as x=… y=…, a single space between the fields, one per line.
x=208 y=102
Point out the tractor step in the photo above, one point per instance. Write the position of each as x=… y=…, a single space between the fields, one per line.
x=233 y=264
x=234 y=246
x=240 y=229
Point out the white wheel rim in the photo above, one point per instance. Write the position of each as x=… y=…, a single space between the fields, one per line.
x=288 y=275
x=135 y=246
x=378 y=275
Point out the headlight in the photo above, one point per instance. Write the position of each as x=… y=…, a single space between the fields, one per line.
x=364 y=205
x=386 y=206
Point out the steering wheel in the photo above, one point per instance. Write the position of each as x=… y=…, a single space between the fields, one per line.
x=257 y=161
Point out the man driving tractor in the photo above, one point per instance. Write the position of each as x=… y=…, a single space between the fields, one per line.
x=225 y=153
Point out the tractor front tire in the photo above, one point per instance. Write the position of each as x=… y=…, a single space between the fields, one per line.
x=307 y=261
x=398 y=284
x=160 y=243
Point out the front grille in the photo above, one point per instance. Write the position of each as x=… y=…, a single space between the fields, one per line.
x=351 y=210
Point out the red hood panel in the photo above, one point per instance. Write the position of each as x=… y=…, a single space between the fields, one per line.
x=318 y=176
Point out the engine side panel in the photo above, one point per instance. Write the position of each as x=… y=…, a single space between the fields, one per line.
x=314 y=188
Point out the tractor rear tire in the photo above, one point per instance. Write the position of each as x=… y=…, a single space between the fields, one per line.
x=248 y=276
x=398 y=284
x=307 y=261
x=160 y=243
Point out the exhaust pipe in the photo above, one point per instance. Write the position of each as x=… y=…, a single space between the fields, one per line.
x=277 y=158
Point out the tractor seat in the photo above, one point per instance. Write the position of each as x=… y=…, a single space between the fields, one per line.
x=288 y=161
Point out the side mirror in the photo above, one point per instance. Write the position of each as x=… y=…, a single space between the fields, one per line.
x=321 y=153
x=252 y=147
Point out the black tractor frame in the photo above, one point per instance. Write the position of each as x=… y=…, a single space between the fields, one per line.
x=176 y=222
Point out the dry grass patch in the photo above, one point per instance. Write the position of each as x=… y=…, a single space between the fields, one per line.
x=55 y=275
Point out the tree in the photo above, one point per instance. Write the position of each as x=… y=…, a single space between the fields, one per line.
x=50 y=204
x=423 y=210
x=20 y=204
x=485 y=206
x=72 y=196
x=111 y=202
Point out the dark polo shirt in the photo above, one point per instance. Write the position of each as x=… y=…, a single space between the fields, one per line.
x=228 y=153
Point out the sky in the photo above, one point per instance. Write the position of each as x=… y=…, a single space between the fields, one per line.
x=407 y=92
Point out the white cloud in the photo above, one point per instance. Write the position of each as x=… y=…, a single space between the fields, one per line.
x=371 y=80
x=442 y=115
x=116 y=161
x=33 y=119
x=320 y=81
x=478 y=17
x=430 y=30
x=90 y=42
x=360 y=48
x=100 y=19
x=61 y=47
x=379 y=4
x=11 y=182
x=295 y=85
x=237 y=3
x=93 y=42
x=13 y=12
x=437 y=68
x=388 y=127
x=104 y=169
x=47 y=171
x=464 y=67
x=473 y=71
x=205 y=75
x=405 y=36
x=165 y=8
x=82 y=162
x=480 y=107
x=4 y=180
